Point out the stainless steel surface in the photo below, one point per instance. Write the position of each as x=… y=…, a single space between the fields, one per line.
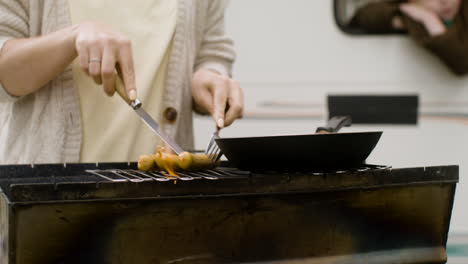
x=213 y=150
x=149 y=121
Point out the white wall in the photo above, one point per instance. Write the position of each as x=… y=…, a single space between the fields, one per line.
x=291 y=50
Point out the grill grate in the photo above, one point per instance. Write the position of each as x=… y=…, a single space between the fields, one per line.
x=83 y=181
x=132 y=175
x=118 y=175
x=68 y=174
x=318 y=172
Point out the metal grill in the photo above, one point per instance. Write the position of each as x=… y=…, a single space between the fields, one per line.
x=366 y=167
x=131 y=175
x=118 y=175
x=321 y=172
x=115 y=214
x=65 y=175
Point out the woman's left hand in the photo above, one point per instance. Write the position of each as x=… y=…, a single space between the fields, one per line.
x=217 y=95
x=429 y=19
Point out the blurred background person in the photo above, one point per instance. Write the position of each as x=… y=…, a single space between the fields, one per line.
x=438 y=25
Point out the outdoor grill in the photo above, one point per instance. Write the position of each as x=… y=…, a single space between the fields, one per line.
x=112 y=213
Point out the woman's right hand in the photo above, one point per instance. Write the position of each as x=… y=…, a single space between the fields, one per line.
x=103 y=53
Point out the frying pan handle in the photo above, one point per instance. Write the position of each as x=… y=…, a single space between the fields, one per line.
x=335 y=124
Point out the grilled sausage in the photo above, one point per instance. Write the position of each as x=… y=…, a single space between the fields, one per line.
x=172 y=163
x=146 y=163
x=194 y=162
x=167 y=162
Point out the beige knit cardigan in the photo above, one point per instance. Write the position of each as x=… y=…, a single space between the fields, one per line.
x=45 y=127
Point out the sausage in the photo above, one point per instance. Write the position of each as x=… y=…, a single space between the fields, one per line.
x=146 y=163
x=167 y=162
x=171 y=163
x=194 y=162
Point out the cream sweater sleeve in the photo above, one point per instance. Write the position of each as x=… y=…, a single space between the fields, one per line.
x=13 y=24
x=217 y=49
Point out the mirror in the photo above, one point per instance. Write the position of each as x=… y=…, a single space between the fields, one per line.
x=357 y=16
x=439 y=26
x=344 y=11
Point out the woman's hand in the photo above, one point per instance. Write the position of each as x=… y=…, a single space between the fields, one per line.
x=219 y=96
x=429 y=19
x=104 y=52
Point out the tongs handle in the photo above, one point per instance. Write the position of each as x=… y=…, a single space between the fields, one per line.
x=335 y=124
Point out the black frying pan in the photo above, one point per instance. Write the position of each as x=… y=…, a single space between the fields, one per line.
x=325 y=149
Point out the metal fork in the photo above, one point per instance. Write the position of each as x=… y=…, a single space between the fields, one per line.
x=213 y=151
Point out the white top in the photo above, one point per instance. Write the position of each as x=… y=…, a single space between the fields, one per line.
x=112 y=132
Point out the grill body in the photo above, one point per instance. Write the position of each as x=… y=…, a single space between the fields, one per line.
x=60 y=214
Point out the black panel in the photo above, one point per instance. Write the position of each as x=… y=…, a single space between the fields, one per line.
x=376 y=109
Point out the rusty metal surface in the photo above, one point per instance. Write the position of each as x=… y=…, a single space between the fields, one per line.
x=266 y=218
x=234 y=229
